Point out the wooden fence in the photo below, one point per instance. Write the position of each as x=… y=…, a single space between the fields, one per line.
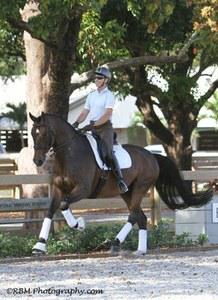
x=8 y=166
x=36 y=204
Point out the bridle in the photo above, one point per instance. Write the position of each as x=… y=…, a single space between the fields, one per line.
x=51 y=149
x=51 y=142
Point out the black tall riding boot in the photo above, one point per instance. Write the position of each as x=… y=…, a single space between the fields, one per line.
x=118 y=174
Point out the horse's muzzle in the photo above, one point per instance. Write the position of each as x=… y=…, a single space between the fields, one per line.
x=38 y=162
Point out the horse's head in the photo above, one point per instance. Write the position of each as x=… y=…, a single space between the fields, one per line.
x=42 y=137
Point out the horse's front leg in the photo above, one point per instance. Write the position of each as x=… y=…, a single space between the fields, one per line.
x=40 y=247
x=75 y=195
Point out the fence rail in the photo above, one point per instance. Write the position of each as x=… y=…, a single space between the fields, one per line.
x=37 y=204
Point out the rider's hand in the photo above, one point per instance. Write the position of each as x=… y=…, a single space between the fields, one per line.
x=88 y=127
x=75 y=124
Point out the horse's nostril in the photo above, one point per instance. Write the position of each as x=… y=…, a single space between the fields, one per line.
x=38 y=162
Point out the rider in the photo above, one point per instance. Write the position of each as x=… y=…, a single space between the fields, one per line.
x=99 y=105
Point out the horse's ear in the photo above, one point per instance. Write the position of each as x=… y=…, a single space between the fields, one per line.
x=34 y=119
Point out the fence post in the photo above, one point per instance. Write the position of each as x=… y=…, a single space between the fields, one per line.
x=155 y=207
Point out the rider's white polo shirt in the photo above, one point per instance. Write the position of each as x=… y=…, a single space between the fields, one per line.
x=97 y=102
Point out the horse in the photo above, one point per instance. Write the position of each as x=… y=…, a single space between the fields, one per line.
x=76 y=176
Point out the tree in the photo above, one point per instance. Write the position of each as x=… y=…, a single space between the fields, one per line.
x=57 y=42
x=51 y=32
x=179 y=101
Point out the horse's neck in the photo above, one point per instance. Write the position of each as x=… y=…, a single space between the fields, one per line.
x=70 y=156
x=63 y=133
x=65 y=137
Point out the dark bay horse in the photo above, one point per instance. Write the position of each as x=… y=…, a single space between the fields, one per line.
x=76 y=176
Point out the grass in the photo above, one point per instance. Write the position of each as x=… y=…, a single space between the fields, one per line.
x=70 y=241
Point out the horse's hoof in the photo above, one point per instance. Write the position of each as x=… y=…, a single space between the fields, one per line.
x=105 y=246
x=115 y=247
x=81 y=224
x=39 y=249
x=139 y=253
x=37 y=252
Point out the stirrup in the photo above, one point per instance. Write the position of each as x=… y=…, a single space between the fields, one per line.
x=122 y=187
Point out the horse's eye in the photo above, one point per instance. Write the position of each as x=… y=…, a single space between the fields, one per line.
x=37 y=131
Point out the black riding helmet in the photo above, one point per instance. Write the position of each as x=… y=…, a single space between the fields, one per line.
x=105 y=72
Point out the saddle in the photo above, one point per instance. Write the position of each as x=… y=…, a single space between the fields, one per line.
x=99 y=152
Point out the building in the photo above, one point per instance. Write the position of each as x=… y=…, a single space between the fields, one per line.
x=122 y=117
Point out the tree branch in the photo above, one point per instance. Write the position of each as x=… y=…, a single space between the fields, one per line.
x=202 y=66
x=209 y=93
x=23 y=26
x=152 y=121
x=86 y=77
x=194 y=38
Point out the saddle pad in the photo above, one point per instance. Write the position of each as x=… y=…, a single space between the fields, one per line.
x=122 y=155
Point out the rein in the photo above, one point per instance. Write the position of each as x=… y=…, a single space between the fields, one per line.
x=58 y=147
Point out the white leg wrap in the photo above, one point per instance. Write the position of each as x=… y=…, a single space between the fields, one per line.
x=124 y=232
x=46 y=225
x=142 y=244
x=71 y=221
x=40 y=246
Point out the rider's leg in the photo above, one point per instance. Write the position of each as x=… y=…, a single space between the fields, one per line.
x=107 y=135
x=118 y=174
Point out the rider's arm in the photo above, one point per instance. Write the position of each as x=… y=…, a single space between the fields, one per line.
x=106 y=116
x=83 y=115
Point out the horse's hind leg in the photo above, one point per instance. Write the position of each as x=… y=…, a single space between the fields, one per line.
x=142 y=234
x=133 y=201
x=137 y=215
x=123 y=233
x=40 y=246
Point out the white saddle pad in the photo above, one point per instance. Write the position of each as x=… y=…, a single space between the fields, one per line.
x=122 y=155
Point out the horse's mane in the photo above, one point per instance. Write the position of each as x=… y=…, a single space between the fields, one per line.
x=60 y=117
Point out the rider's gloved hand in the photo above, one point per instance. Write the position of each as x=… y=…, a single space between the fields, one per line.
x=75 y=124
x=88 y=127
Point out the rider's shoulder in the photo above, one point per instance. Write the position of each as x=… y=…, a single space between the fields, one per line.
x=92 y=93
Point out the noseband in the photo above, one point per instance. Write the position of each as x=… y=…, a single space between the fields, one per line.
x=51 y=140
x=51 y=147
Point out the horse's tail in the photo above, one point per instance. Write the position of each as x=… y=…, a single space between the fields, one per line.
x=173 y=190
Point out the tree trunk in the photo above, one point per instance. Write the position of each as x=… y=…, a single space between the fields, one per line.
x=49 y=68
x=49 y=72
x=176 y=138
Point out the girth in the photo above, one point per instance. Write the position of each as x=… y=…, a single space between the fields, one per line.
x=102 y=180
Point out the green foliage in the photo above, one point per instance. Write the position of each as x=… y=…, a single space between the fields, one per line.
x=17 y=113
x=152 y=13
x=11 y=51
x=179 y=89
x=161 y=236
x=202 y=239
x=11 y=8
x=15 y=246
x=212 y=106
x=98 y=42
x=71 y=241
